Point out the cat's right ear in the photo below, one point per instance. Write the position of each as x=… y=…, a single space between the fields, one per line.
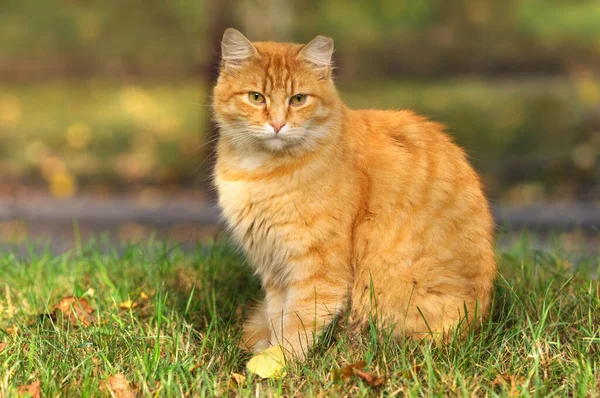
x=236 y=49
x=318 y=53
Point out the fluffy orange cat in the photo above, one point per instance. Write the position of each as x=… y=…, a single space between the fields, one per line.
x=368 y=211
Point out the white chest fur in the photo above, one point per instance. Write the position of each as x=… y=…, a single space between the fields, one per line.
x=263 y=218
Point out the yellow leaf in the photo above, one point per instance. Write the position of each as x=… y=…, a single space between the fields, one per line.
x=238 y=378
x=127 y=304
x=268 y=364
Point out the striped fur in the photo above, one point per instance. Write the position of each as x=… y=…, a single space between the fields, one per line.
x=373 y=212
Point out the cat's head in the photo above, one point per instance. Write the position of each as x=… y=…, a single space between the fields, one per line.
x=276 y=97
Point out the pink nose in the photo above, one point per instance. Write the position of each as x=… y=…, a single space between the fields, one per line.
x=277 y=126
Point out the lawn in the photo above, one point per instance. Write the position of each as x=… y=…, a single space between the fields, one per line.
x=166 y=322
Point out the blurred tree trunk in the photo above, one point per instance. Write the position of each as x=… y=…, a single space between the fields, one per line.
x=267 y=20
x=221 y=16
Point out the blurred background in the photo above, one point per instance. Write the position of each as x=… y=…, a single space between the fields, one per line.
x=104 y=105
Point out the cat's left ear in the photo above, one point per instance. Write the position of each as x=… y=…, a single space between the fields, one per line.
x=236 y=49
x=319 y=53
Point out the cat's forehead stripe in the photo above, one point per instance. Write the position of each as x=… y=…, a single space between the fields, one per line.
x=277 y=74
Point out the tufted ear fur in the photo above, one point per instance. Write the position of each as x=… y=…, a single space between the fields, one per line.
x=319 y=53
x=235 y=49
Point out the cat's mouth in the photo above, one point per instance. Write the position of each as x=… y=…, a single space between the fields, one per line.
x=274 y=142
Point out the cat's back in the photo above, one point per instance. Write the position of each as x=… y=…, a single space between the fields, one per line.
x=397 y=129
x=425 y=234
x=403 y=148
x=415 y=175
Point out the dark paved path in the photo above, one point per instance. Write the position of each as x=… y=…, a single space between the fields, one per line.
x=116 y=211
x=60 y=223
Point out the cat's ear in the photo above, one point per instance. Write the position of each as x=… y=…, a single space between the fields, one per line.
x=319 y=53
x=236 y=49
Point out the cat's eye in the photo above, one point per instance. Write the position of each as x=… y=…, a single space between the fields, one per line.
x=256 y=98
x=298 y=99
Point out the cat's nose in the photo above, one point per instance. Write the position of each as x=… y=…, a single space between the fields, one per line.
x=277 y=125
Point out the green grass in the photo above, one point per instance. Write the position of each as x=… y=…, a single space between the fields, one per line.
x=542 y=339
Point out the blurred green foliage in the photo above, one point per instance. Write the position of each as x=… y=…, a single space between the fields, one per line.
x=422 y=37
x=528 y=138
x=111 y=95
x=101 y=35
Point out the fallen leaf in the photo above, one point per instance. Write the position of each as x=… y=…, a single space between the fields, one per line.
x=32 y=389
x=239 y=378
x=141 y=303
x=268 y=364
x=348 y=371
x=236 y=380
x=369 y=378
x=12 y=330
x=3 y=346
x=120 y=387
x=127 y=304
x=75 y=310
x=66 y=303
x=355 y=370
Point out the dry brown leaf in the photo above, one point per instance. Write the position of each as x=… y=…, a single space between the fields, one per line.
x=12 y=329
x=239 y=378
x=236 y=380
x=67 y=302
x=75 y=310
x=348 y=371
x=34 y=390
x=3 y=346
x=355 y=370
x=500 y=380
x=370 y=378
x=120 y=387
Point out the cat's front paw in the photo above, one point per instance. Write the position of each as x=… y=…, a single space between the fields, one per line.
x=254 y=346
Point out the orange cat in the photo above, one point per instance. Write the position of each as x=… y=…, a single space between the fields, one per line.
x=375 y=212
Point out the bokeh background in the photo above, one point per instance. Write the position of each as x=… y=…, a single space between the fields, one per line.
x=110 y=98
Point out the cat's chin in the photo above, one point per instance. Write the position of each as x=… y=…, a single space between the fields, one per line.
x=275 y=144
